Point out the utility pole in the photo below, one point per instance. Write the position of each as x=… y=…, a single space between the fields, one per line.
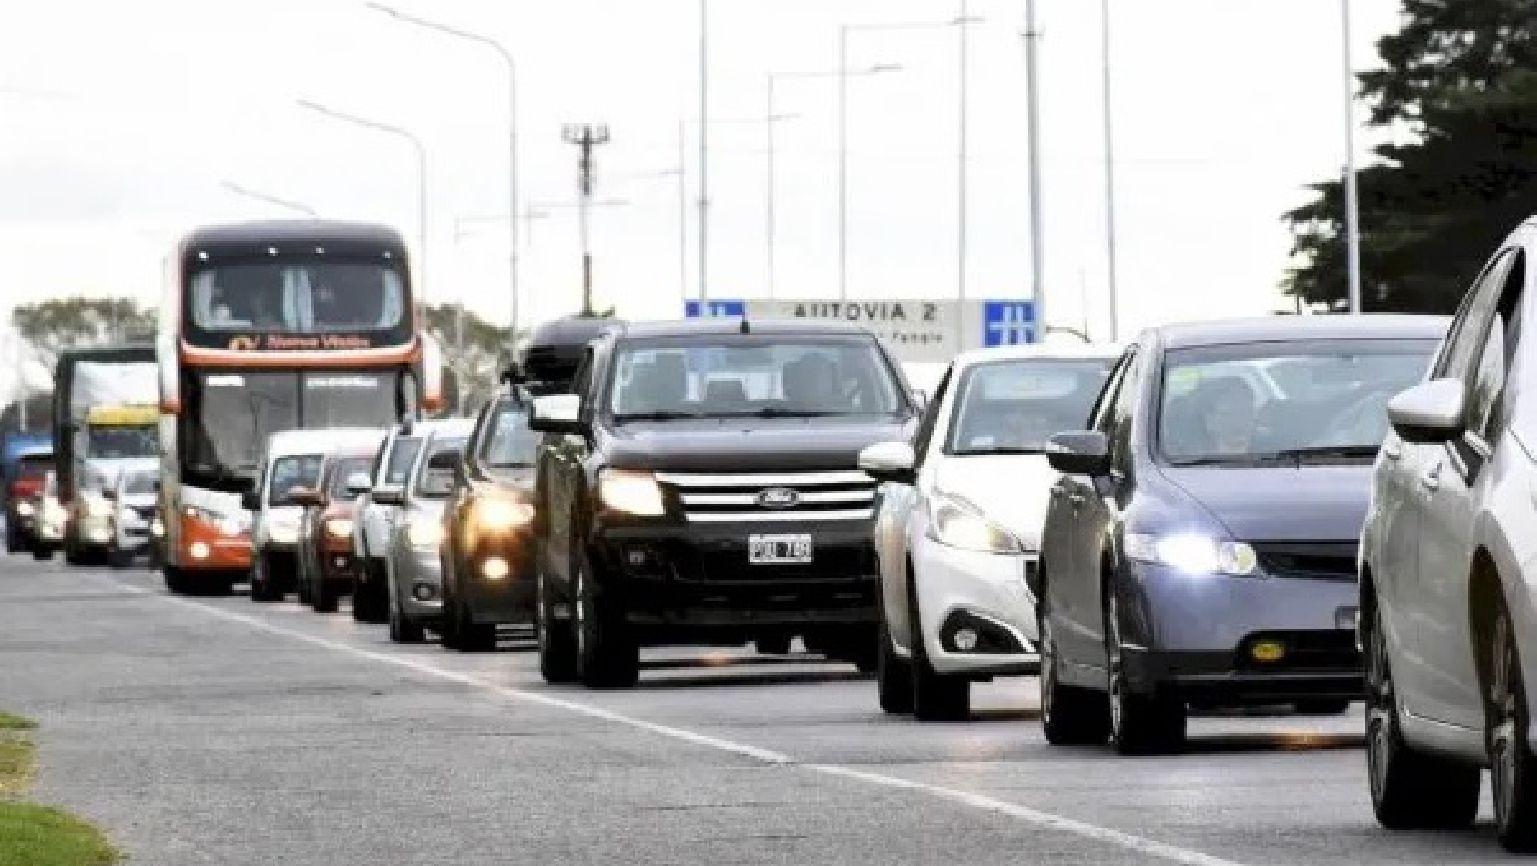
x=585 y=136
x=1109 y=177
x=704 y=154
x=1352 y=200
x=1033 y=145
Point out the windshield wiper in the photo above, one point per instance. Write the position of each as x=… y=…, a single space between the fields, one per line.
x=1233 y=460
x=510 y=465
x=654 y=416
x=1326 y=452
x=969 y=452
x=775 y=412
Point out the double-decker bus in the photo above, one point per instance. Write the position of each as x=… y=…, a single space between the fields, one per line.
x=267 y=326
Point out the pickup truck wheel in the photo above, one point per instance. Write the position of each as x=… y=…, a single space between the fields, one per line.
x=557 y=646
x=1070 y=715
x=42 y=552
x=893 y=676
x=606 y=653
x=323 y=595
x=1409 y=789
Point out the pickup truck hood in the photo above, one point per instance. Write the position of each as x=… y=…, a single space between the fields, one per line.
x=1313 y=503
x=1010 y=489
x=747 y=444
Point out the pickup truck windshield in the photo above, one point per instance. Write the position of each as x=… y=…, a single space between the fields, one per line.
x=752 y=377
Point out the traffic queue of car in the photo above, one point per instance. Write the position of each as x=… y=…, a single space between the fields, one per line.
x=1292 y=511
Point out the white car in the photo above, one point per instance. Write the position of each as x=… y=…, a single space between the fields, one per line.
x=290 y=464
x=1448 y=561
x=133 y=500
x=958 y=530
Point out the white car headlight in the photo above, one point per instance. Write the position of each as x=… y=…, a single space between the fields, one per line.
x=955 y=522
x=1192 y=553
x=425 y=531
x=25 y=509
x=630 y=491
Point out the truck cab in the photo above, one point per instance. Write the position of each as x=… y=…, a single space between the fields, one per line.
x=113 y=439
x=701 y=486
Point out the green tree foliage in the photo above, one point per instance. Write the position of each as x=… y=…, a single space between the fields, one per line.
x=1461 y=79
x=61 y=323
x=473 y=373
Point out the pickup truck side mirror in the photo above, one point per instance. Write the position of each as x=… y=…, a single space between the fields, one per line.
x=1082 y=452
x=1430 y=411
x=889 y=461
x=389 y=495
x=557 y=413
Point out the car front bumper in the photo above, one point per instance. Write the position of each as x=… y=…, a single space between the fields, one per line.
x=698 y=577
x=507 y=599
x=1195 y=634
x=988 y=593
x=418 y=573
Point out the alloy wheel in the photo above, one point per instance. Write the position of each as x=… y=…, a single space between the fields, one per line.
x=1380 y=710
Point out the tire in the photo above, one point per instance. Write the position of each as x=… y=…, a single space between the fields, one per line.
x=460 y=631
x=936 y=697
x=264 y=585
x=323 y=596
x=119 y=558
x=607 y=656
x=1139 y=724
x=370 y=599
x=775 y=645
x=557 y=645
x=1070 y=715
x=1409 y=789
x=42 y=552
x=403 y=629
x=1513 y=769
x=1323 y=706
x=13 y=542
x=893 y=676
x=302 y=587
x=176 y=580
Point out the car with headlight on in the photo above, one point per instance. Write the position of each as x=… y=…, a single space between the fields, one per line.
x=24 y=486
x=488 y=546
x=959 y=517
x=701 y=486
x=134 y=507
x=1447 y=620
x=48 y=534
x=290 y=467
x=372 y=519
x=1200 y=546
x=327 y=568
x=414 y=557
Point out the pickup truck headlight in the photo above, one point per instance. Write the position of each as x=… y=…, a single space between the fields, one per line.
x=631 y=492
x=500 y=515
x=1192 y=553
x=955 y=522
x=339 y=527
x=425 y=531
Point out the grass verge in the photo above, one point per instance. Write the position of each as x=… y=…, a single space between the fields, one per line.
x=33 y=835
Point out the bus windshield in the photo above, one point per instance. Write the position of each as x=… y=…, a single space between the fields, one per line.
x=310 y=297
x=229 y=415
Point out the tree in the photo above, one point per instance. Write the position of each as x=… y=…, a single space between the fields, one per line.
x=475 y=372
x=1459 y=78
x=61 y=323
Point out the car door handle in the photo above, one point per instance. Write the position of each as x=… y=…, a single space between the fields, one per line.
x=1392 y=449
x=1432 y=477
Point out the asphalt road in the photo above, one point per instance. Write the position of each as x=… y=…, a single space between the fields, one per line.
x=217 y=731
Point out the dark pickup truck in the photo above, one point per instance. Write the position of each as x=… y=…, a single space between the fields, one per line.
x=700 y=487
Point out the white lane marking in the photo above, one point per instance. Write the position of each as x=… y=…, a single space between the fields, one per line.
x=1139 y=844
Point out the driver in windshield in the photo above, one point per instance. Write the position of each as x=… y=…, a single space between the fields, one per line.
x=810 y=383
x=1228 y=413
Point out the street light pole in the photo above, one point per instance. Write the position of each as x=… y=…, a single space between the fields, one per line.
x=1109 y=174
x=1033 y=145
x=1352 y=199
x=961 y=175
x=421 y=171
x=586 y=136
x=704 y=155
x=514 y=245
x=287 y=204
x=843 y=128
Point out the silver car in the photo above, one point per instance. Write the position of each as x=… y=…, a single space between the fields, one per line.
x=1447 y=622
x=133 y=500
x=414 y=559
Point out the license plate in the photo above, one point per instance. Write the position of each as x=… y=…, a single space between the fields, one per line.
x=779 y=549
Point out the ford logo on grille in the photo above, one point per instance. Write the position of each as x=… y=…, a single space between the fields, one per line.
x=779 y=497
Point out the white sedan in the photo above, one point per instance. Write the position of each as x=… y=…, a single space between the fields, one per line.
x=959 y=522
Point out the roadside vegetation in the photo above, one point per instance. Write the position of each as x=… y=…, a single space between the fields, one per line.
x=34 y=835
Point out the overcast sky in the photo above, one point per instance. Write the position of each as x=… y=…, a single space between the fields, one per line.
x=120 y=121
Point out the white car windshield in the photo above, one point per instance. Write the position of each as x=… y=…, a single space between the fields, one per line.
x=1013 y=407
x=1226 y=404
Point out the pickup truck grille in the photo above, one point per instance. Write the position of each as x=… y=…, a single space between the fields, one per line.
x=772 y=496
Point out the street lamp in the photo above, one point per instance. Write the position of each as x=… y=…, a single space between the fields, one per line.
x=1352 y=199
x=961 y=21
x=769 y=119
x=1115 y=325
x=287 y=204
x=421 y=169
x=512 y=132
